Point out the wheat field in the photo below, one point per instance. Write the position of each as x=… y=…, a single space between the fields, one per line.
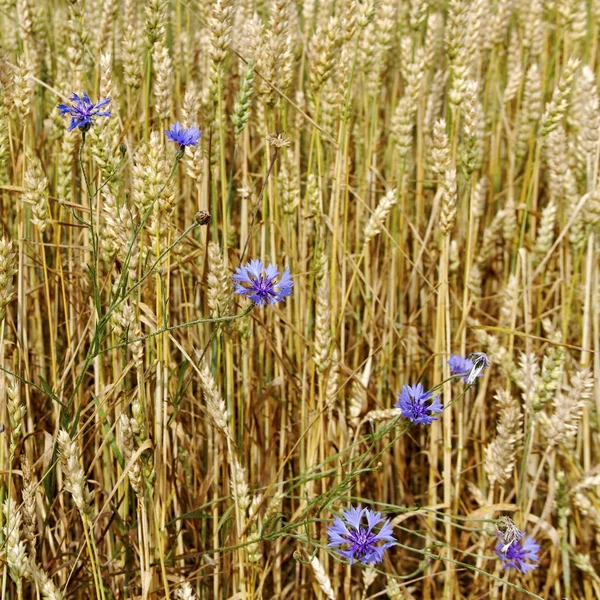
x=426 y=171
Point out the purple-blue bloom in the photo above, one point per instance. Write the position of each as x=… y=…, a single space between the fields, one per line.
x=412 y=402
x=83 y=111
x=361 y=543
x=517 y=553
x=460 y=365
x=184 y=137
x=262 y=285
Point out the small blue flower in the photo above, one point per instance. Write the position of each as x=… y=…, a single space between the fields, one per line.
x=262 y=285
x=411 y=402
x=459 y=365
x=83 y=111
x=515 y=555
x=184 y=137
x=361 y=543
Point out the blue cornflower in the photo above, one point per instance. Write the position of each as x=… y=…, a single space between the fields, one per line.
x=411 y=401
x=184 y=137
x=460 y=365
x=83 y=111
x=262 y=285
x=514 y=555
x=362 y=543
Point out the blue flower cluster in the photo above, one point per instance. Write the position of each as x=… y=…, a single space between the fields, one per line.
x=84 y=112
x=354 y=540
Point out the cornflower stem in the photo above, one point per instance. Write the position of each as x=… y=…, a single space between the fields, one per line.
x=94 y=348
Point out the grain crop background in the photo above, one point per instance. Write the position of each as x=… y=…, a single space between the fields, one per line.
x=428 y=172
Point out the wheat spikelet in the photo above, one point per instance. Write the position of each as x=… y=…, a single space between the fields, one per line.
x=322 y=578
x=500 y=454
x=376 y=222
x=75 y=482
x=562 y=426
x=214 y=403
x=185 y=592
x=15 y=550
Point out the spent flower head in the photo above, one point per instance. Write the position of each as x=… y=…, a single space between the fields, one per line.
x=83 y=111
x=262 y=285
x=412 y=402
x=188 y=136
x=359 y=542
x=480 y=362
x=515 y=554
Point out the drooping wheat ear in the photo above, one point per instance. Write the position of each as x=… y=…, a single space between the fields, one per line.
x=44 y=584
x=4 y=147
x=78 y=34
x=214 y=403
x=545 y=234
x=491 y=238
x=243 y=100
x=548 y=380
x=588 y=117
x=500 y=454
x=322 y=578
x=8 y=268
x=15 y=550
x=584 y=563
x=163 y=80
x=75 y=482
x=36 y=192
x=534 y=28
x=376 y=222
x=150 y=171
x=514 y=70
x=531 y=109
x=403 y=119
x=29 y=492
x=393 y=589
x=559 y=104
x=280 y=41
x=322 y=322
x=131 y=56
x=510 y=299
x=185 y=592
x=457 y=27
x=473 y=129
x=128 y=449
x=254 y=553
x=109 y=11
x=448 y=209
x=440 y=151
x=289 y=188
x=562 y=426
x=220 y=298
x=155 y=19
x=358 y=394
x=16 y=412
x=323 y=48
x=239 y=485
x=220 y=39
x=22 y=87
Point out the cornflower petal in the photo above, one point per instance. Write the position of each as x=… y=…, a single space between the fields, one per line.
x=412 y=404
x=361 y=543
x=184 y=137
x=83 y=111
x=263 y=285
